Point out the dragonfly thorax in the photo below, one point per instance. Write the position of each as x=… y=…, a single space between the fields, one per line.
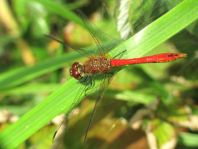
x=97 y=65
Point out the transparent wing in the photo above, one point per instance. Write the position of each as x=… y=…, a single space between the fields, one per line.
x=91 y=31
x=102 y=88
x=81 y=51
x=62 y=128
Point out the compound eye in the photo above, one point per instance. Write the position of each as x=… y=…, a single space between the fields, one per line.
x=75 y=70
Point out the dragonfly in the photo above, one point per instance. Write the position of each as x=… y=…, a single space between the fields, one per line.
x=102 y=65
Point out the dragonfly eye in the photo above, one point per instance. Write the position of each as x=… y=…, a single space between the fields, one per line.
x=76 y=70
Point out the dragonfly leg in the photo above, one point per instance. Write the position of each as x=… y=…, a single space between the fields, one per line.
x=109 y=75
x=88 y=81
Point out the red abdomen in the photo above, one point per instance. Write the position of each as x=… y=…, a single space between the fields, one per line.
x=159 y=58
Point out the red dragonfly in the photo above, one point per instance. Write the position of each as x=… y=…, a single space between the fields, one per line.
x=102 y=65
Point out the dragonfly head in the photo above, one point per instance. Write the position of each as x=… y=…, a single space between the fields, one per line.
x=76 y=70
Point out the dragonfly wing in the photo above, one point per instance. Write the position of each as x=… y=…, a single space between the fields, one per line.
x=91 y=31
x=62 y=127
x=102 y=88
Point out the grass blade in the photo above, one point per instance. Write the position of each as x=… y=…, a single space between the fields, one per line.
x=160 y=30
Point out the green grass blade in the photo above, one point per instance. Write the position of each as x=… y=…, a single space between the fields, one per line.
x=161 y=29
x=21 y=75
x=31 y=88
x=189 y=140
x=63 y=98
x=40 y=115
x=61 y=10
x=65 y=12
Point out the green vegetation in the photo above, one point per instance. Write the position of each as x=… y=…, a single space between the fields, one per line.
x=35 y=85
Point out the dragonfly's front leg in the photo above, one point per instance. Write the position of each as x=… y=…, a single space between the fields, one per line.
x=88 y=82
